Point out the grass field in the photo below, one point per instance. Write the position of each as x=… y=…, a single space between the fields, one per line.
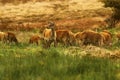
x=26 y=61
x=30 y=62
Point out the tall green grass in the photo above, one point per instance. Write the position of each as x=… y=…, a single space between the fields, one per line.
x=30 y=62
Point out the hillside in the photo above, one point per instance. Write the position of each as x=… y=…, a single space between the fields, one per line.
x=26 y=61
x=82 y=13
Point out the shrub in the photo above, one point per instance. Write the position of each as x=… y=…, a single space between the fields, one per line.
x=115 y=17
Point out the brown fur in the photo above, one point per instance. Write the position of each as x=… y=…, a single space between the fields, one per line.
x=34 y=39
x=78 y=38
x=91 y=37
x=107 y=38
x=3 y=36
x=72 y=39
x=49 y=37
x=62 y=36
x=118 y=36
x=106 y=31
x=11 y=37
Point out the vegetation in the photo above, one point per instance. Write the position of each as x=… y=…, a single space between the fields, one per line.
x=23 y=1
x=115 y=17
x=31 y=62
x=66 y=14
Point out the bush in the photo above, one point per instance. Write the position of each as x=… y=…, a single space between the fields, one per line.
x=115 y=17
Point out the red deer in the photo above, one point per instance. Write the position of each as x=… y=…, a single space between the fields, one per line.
x=78 y=38
x=35 y=39
x=11 y=37
x=72 y=40
x=91 y=37
x=107 y=37
x=3 y=36
x=62 y=36
x=107 y=32
x=49 y=35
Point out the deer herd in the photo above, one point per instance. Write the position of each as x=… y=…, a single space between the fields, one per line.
x=65 y=37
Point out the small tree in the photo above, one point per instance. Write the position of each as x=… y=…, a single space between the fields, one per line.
x=115 y=17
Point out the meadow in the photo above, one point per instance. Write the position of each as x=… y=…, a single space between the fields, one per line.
x=26 y=61
x=30 y=62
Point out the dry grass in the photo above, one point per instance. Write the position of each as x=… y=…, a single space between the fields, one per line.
x=25 y=61
x=93 y=51
x=37 y=13
x=47 y=8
